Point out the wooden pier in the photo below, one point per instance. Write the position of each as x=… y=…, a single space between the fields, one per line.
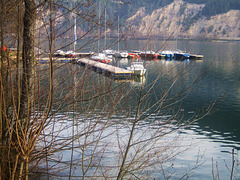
x=107 y=69
x=196 y=56
x=57 y=60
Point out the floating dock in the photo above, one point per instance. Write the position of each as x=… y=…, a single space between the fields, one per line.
x=195 y=56
x=57 y=60
x=99 y=67
x=107 y=69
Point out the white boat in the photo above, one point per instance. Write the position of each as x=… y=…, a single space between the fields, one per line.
x=121 y=54
x=59 y=53
x=109 y=53
x=168 y=54
x=101 y=57
x=137 y=68
x=70 y=54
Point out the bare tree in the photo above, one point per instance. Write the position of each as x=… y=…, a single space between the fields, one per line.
x=67 y=121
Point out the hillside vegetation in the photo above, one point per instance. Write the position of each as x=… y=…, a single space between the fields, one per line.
x=185 y=20
x=163 y=18
x=129 y=7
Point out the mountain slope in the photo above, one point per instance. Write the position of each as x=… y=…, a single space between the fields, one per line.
x=185 y=20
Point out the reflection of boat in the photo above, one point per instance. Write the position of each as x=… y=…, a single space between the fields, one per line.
x=137 y=68
x=136 y=81
x=101 y=57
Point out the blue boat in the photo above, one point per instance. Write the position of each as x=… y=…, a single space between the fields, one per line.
x=168 y=54
x=180 y=55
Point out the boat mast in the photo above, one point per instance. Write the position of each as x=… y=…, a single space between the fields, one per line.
x=75 y=32
x=99 y=21
x=105 y=42
x=118 y=34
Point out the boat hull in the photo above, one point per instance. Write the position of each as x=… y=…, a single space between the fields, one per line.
x=181 y=56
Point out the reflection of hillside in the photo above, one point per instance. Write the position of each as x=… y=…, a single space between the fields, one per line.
x=222 y=124
x=220 y=83
x=222 y=54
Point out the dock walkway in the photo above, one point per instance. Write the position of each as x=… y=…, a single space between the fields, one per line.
x=114 y=71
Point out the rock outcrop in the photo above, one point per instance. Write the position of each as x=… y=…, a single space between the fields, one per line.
x=184 y=20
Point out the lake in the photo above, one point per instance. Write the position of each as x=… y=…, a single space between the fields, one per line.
x=216 y=135
x=211 y=140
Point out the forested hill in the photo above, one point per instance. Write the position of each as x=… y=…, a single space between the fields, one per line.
x=127 y=8
x=178 y=18
x=181 y=19
x=212 y=7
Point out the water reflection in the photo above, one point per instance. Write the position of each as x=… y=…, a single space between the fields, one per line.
x=135 y=81
x=217 y=134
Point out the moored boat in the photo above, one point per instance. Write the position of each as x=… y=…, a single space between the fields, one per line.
x=137 y=68
x=168 y=54
x=109 y=53
x=59 y=53
x=180 y=55
x=134 y=54
x=70 y=54
x=148 y=55
x=101 y=57
x=121 y=54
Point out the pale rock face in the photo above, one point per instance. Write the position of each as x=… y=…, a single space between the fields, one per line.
x=181 y=19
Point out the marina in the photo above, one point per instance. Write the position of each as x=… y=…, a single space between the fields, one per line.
x=99 y=62
x=206 y=133
x=95 y=65
x=134 y=54
x=120 y=89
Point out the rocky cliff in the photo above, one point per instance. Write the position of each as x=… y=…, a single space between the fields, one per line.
x=184 y=20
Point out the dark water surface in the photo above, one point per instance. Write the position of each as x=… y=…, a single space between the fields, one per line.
x=219 y=133
x=214 y=137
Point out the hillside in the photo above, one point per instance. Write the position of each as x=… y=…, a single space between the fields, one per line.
x=185 y=20
x=162 y=18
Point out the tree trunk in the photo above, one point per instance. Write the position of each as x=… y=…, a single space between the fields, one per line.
x=28 y=57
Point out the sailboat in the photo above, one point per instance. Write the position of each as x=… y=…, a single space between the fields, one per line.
x=103 y=56
x=118 y=53
x=69 y=53
x=100 y=57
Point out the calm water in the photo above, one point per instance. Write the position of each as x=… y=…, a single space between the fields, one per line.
x=213 y=138
x=217 y=134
